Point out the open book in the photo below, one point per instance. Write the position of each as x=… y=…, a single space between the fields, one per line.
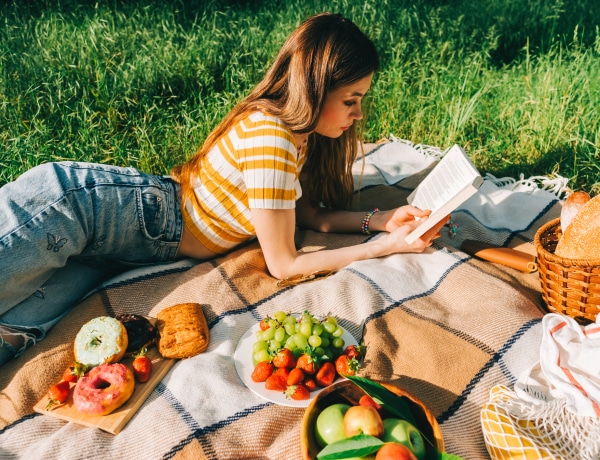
x=451 y=182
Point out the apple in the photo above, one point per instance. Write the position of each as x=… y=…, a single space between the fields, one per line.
x=329 y=426
x=366 y=400
x=403 y=432
x=363 y=420
x=394 y=451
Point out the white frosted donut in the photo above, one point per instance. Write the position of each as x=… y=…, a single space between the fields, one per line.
x=101 y=340
x=103 y=389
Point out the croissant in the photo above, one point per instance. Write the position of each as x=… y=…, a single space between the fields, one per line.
x=182 y=331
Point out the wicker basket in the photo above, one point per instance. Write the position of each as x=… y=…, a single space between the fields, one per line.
x=569 y=286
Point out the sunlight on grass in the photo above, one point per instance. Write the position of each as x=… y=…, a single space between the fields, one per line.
x=142 y=83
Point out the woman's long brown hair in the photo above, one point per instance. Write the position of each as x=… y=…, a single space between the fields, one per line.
x=324 y=53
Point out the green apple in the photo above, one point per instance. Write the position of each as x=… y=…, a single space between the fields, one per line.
x=329 y=426
x=403 y=432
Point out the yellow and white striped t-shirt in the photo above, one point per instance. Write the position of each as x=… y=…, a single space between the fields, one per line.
x=255 y=165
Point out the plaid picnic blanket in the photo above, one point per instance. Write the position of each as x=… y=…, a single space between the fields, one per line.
x=444 y=326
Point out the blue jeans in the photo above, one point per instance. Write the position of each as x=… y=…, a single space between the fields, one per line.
x=65 y=227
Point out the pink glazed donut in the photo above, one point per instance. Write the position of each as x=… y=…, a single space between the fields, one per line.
x=103 y=389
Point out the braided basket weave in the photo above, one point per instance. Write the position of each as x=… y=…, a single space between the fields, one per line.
x=569 y=286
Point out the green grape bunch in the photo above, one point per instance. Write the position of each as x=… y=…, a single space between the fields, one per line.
x=299 y=334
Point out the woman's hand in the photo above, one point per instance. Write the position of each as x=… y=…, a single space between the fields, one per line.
x=396 y=239
x=400 y=222
x=389 y=221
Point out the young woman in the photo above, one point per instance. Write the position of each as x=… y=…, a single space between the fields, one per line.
x=281 y=158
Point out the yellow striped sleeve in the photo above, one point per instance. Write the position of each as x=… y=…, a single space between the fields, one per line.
x=255 y=165
x=268 y=161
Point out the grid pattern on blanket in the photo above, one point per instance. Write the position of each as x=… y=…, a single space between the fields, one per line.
x=442 y=325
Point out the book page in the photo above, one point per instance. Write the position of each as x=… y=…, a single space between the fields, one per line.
x=450 y=176
x=451 y=182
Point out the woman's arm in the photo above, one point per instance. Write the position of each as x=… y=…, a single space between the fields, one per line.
x=327 y=220
x=275 y=232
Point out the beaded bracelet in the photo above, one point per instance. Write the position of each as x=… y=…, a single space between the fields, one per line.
x=365 y=222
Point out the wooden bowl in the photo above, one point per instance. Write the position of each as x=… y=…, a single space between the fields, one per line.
x=348 y=392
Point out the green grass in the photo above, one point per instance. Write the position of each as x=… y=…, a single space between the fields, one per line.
x=142 y=83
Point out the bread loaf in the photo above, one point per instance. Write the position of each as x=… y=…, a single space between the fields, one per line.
x=182 y=331
x=581 y=239
x=573 y=204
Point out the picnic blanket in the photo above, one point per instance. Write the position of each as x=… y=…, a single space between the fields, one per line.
x=443 y=325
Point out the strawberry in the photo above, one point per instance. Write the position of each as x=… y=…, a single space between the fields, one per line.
x=296 y=376
x=355 y=351
x=326 y=374
x=309 y=382
x=262 y=371
x=366 y=400
x=284 y=358
x=142 y=366
x=308 y=362
x=297 y=392
x=346 y=366
x=74 y=372
x=283 y=372
x=58 y=394
x=264 y=324
x=277 y=381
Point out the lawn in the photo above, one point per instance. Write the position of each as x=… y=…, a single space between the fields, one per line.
x=142 y=83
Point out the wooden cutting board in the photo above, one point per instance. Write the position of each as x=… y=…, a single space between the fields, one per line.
x=115 y=421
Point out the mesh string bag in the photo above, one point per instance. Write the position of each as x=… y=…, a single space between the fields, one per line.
x=515 y=429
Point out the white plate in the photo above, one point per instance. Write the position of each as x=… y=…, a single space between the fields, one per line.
x=244 y=367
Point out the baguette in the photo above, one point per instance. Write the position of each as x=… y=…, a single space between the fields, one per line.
x=573 y=204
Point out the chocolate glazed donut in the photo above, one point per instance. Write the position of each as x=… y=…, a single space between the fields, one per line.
x=140 y=331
